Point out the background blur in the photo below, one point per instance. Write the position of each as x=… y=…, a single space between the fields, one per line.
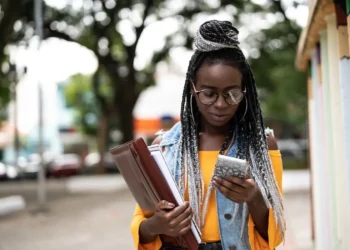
x=78 y=77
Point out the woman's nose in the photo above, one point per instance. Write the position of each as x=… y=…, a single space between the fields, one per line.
x=220 y=102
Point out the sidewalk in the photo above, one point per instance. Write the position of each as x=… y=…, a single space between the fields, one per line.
x=293 y=181
x=297 y=204
x=295 y=186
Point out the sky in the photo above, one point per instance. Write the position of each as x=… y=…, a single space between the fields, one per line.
x=57 y=60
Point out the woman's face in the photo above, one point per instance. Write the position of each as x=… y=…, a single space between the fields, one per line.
x=219 y=78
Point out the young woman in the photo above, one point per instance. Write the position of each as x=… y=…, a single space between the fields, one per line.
x=220 y=114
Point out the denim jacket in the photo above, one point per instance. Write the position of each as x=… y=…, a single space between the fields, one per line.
x=230 y=232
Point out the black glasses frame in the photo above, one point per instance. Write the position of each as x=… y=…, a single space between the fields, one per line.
x=197 y=92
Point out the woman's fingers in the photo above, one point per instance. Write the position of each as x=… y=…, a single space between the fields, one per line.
x=164 y=205
x=184 y=230
x=183 y=219
x=177 y=211
x=247 y=183
x=228 y=185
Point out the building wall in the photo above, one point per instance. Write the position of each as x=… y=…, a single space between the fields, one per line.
x=329 y=124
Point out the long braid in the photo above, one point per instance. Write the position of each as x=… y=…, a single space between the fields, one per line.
x=189 y=144
x=217 y=42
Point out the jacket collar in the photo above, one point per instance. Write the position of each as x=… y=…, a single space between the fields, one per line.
x=171 y=136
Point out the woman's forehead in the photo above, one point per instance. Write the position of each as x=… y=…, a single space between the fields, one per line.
x=218 y=76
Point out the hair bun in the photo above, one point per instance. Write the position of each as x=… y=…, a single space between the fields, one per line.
x=215 y=35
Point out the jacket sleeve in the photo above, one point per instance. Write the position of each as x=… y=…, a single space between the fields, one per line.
x=138 y=217
x=274 y=232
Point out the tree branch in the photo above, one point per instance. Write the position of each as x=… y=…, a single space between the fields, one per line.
x=149 y=4
x=278 y=5
x=12 y=12
x=131 y=50
x=107 y=61
x=49 y=32
x=102 y=100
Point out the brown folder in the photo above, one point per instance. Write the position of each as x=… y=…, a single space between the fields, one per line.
x=147 y=183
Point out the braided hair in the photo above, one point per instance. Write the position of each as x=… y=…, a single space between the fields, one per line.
x=217 y=43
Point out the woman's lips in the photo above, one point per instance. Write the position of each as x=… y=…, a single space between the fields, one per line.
x=218 y=117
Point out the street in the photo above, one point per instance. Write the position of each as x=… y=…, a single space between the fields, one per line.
x=100 y=221
x=84 y=221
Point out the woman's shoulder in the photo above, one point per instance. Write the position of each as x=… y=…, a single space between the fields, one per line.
x=272 y=143
x=271 y=140
x=168 y=137
x=158 y=140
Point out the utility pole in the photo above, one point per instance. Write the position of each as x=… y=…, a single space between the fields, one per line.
x=13 y=92
x=15 y=111
x=42 y=200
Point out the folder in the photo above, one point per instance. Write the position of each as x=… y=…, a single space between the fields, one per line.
x=148 y=177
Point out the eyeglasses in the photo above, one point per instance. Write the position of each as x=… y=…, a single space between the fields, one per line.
x=209 y=97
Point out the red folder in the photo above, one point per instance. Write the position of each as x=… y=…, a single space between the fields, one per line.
x=147 y=183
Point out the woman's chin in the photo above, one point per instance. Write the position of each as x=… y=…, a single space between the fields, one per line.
x=218 y=123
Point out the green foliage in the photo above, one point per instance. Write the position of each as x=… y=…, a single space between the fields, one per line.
x=282 y=87
x=79 y=96
x=119 y=84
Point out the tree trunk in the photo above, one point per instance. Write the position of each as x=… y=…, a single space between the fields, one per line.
x=127 y=121
x=102 y=138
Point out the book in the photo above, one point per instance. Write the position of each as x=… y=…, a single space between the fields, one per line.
x=157 y=155
x=149 y=179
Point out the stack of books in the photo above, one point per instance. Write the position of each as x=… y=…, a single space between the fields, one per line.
x=149 y=179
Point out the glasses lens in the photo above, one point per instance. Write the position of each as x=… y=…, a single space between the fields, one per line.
x=234 y=96
x=207 y=96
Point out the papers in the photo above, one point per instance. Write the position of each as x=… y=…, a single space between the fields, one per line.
x=159 y=159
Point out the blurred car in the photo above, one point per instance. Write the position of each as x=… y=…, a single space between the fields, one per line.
x=13 y=172
x=294 y=153
x=10 y=171
x=32 y=166
x=92 y=160
x=2 y=171
x=66 y=165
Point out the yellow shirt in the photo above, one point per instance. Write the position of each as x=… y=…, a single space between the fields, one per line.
x=211 y=230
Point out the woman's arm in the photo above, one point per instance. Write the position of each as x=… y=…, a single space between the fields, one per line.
x=260 y=214
x=257 y=206
x=147 y=231
x=167 y=219
x=245 y=190
x=139 y=218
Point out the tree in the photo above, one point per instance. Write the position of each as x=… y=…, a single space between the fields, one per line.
x=99 y=30
x=117 y=84
x=283 y=88
x=90 y=118
x=9 y=14
x=97 y=26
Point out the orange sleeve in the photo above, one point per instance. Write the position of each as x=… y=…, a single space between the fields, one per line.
x=138 y=217
x=274 y=232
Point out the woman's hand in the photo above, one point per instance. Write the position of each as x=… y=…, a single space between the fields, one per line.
x=171 y=221
x=237 y=189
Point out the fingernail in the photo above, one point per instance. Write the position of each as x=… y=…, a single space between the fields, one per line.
x=171 y=204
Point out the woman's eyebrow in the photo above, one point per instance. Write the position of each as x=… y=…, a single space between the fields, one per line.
x=233 y=86
x=205 y=86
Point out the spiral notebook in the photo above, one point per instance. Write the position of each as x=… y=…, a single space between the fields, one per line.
x=149 y=179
